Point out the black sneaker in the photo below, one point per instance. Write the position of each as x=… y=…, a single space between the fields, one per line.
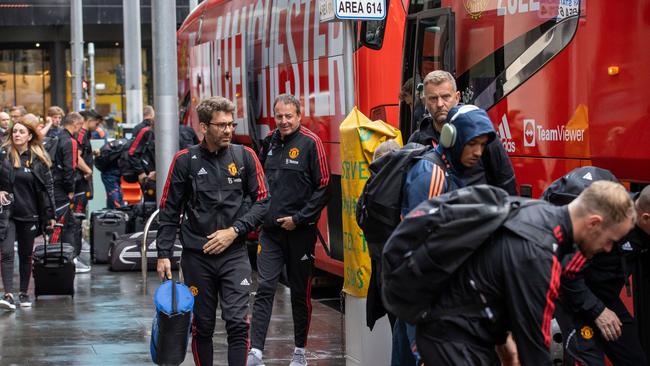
x=7 y=302
x=24 y=300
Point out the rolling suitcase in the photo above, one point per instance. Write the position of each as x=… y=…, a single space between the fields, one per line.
x=54 y=269
x=103 y=224
x=125 y=253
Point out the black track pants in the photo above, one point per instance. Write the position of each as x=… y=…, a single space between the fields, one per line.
x=24 y=232
x=585 y=345
x=212 y=278
x=296 y=250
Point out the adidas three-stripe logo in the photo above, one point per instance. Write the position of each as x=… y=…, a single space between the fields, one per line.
x=504 y=128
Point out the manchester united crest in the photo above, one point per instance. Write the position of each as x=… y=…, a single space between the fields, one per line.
x=194 y=290
x=586 y=332
x=294 y=152
x=232 y=169
x=475 y=8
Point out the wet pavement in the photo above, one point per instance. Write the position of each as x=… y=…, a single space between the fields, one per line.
x=109 y=323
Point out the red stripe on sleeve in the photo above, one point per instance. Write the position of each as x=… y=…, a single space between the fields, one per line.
x=138 y=139
x=262 y=189
x=163 y=198
x=551 y=295
x=322 y=161
x=74 y=153
x=80 y=136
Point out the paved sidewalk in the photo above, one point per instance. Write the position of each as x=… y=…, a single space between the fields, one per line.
x=109 y=323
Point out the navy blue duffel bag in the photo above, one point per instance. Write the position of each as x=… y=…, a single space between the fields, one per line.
x=171 y=325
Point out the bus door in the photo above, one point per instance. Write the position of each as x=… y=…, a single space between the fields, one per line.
x=428 y=45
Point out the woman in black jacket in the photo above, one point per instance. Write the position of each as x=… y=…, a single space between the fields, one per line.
x=26 y=166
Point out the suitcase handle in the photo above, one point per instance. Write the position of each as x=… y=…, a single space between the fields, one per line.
x=45 y=244
x=111 y=222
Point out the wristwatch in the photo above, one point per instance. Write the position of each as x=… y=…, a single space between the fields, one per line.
x=236 y=229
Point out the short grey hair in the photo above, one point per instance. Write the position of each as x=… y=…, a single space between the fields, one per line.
x=385 y=148
x=438 y=77
x=211 y=105
x=287 y=99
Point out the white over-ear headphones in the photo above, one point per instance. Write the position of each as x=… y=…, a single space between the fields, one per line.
x=448 y=132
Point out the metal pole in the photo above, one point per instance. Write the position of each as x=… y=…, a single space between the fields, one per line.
x=163 y=15
x=77 y=52
x=91 y=71
x=132 y=61
x=348 y=62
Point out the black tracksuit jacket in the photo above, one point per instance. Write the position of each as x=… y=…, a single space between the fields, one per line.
x=494 y=168
x=211 y=198
x=298 y=173
x=519 y=279
x=588 y=286
x=65 y=162
x=142 y=152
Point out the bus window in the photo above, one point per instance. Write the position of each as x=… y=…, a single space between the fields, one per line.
x=372 y=32
x=429 y=46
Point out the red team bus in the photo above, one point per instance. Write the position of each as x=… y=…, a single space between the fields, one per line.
x=564 y=81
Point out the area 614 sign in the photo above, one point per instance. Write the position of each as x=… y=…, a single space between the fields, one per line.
x=360 y=9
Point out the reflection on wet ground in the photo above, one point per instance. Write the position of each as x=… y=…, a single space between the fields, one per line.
x=109 y=323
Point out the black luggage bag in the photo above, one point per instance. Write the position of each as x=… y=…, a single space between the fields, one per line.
x=54 y=269
x=125 y=252
x=103 y=224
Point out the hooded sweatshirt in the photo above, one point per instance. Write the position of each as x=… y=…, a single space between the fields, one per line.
x=427 y=179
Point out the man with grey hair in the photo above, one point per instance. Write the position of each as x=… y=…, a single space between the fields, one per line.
x=440 y=95
x=209 y=186
x=295 y=162
x=4 y=124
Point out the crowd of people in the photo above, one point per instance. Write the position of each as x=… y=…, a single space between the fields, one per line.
x=567 y=256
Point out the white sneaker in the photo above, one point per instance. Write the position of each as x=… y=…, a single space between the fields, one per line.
x=254 y=358
x=7 y=302
x=298 y=359
x=80 y=267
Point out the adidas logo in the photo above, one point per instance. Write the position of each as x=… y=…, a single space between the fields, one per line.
x=245 y=282
x=588 y=176
x=194 y=157
x=505 y=136
x=627 y=247
x=304 y=258
x=202 y=171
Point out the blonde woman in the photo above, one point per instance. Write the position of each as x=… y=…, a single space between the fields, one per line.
x=26 y=165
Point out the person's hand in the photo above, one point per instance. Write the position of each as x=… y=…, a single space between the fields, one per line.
x=609 y=325
x=219 y=241
x=4 y=198
x=152 y=176
x=507 y=352
x=88 y=176
x=50 y=224
x=142 y=177
x=164 y=268
x=96 y=152
x=70 y=196
x=287 y=223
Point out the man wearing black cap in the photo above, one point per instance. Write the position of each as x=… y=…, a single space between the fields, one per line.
x=593 y=319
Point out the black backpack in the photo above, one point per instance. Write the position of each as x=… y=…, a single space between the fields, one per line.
x=51 y=145
x=110 y=153
x=436 y=238
x=379 y=207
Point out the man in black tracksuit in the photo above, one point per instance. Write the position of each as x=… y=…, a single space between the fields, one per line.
x=440 y=96
x=296 y=166
x=511 y=284
x=64 y=168
x=589 y=293
x=208 y=185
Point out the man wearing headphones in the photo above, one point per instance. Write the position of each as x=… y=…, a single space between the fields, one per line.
x=462 y=142
x=440 y=96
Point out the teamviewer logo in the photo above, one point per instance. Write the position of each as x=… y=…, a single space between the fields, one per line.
x=529 y=132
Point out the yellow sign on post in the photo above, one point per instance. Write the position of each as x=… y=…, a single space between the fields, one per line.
x=359 y=138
